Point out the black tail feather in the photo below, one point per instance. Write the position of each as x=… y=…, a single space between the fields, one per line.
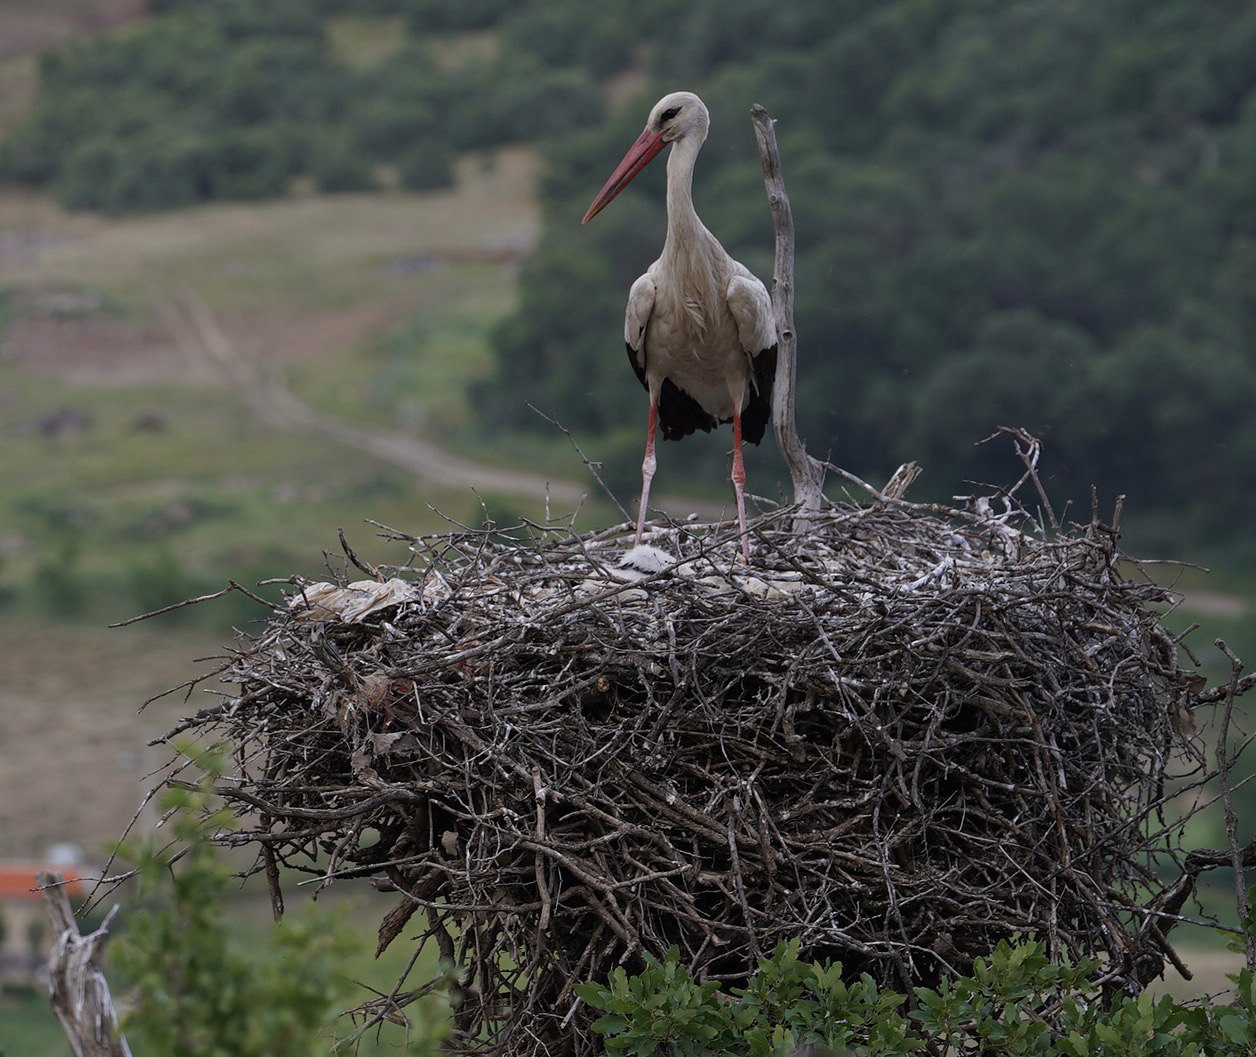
x=680 y=414
x=754 y=420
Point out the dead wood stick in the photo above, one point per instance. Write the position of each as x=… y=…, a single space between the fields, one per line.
x=76 y=987
x=1231 y=818
x=1230 y=689
x=177 y=605
x=807 y=473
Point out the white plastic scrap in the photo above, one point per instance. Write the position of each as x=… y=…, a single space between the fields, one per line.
x=354 y=603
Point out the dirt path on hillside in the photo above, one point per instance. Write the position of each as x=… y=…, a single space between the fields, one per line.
x=202 y=339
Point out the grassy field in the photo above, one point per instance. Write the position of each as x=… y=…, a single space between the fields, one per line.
x=138 y=472
x=133 y=446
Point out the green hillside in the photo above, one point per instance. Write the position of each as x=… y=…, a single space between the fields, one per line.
x=1022 y=213
x=1009 y=212
x=235 y=100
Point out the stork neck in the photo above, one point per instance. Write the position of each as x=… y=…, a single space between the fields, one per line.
x=683 y=225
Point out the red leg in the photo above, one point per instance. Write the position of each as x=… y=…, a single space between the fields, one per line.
x=647 y=469
x=739 y=485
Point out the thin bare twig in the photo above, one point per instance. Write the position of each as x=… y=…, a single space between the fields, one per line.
x=594 y=468
x=177 y=605
x=1231 y=817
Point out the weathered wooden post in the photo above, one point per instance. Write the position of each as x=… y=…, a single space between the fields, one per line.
x=807 y=472
x=76 y=987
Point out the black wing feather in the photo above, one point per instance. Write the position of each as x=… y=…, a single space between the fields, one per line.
x=637 y=369
x=679 y=413
x=754 y=420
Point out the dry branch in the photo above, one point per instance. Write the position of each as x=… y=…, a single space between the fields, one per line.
x=908 y=734
x=76 y=987
x=807 y=473
x=1224 y=761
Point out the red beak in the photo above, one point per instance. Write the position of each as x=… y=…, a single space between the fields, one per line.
x=639 y=155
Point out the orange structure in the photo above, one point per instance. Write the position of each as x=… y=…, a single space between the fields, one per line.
x=23 y=934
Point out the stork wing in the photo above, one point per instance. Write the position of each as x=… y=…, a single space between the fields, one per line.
x=640 y=305
x=751 y=307
x=679 y=413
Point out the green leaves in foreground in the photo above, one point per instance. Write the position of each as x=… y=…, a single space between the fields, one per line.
x=204 y=985
x=1016 y=1003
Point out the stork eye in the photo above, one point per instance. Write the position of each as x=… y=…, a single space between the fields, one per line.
x=668 y=114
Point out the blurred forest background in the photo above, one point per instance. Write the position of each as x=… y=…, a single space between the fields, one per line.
x=267 y=268
x=1009 y=212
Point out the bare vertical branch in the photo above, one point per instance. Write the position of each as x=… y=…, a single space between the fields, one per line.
x=272 y=875
x=807 y=473
x=76 y=987
x=1227 y=797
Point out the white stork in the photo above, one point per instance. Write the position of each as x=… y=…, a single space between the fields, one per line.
x=700 y=330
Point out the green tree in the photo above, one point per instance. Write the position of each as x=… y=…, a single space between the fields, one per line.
x=247 y=163
x=338 y=165
x=195 y=992
x=427 y=167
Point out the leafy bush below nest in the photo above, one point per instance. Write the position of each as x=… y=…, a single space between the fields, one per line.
x=1016 y=1003
x=897 y=739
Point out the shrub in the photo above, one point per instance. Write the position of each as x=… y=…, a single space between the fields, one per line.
x=387 y=128
x=195 y=992
x=598 y=36
x=427 y=167
x=524 y=101
x=163 y=169
x=1015 y=1003
x=166 y=169
x=87 y=174
x=454 y=14
x=247 y=163
x=338 y=166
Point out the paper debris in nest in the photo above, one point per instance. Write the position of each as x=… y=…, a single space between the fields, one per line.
x=354 y=602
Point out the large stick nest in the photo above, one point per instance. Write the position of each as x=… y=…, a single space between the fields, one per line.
x=897 y=738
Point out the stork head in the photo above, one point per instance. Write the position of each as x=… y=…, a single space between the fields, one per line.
x=679 y=115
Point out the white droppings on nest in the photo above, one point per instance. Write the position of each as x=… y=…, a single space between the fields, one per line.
x=939 y=573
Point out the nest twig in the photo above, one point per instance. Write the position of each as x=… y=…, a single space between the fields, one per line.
x=898 y=738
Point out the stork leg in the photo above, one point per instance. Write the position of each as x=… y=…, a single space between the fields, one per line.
x=739 y=485
x=647 y=468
